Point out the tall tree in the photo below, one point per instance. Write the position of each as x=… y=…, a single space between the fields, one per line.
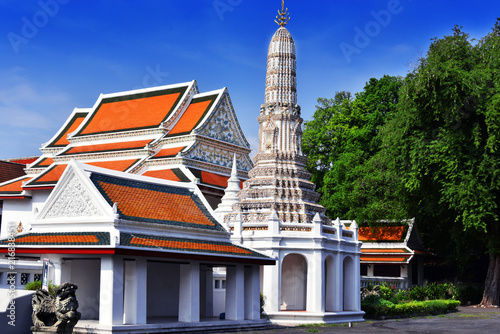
x=444 y=139
x=341 y=142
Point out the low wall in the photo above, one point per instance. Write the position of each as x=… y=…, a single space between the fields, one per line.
x=15 y=318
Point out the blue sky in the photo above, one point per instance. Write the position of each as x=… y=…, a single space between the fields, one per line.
x=56 y=55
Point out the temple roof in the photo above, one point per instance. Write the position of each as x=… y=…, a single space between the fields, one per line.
x=136 y=110
x=390 y=242
x=186 y=245
x=10 y=170
x=62 y=239
x=155 y=203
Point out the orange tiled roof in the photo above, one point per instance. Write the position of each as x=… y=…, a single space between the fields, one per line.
x=49 y=177
x=155 y=203
x=14 y=186
x=132 y=112
x=385 y=259
x=382 y=233
x=46 y=162
x=118 y=165
x=193 y=115
x=174 y=174
x=185 y=245
x=110 y=147
x=168 y=152
x=64 y=238
x=384 y=250
x=62 y=139
x=209 y=178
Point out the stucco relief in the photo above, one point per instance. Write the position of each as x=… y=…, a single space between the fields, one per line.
x=223 y=125
x=73 y=201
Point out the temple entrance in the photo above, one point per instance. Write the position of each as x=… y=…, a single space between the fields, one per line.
x=293 y=283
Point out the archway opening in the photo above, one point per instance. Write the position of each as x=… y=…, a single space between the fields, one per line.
x=329 y=284
x=348 y=279
x=293 y=283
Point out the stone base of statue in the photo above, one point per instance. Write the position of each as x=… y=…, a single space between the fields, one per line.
x=55 y=314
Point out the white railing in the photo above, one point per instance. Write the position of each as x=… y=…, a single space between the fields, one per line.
x=398 y=282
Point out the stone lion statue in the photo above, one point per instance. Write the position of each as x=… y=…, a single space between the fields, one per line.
x=59 y=312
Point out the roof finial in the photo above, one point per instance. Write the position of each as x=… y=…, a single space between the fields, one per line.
x=282 y=17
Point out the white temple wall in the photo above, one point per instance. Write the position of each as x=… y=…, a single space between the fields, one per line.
x=22 y=210
x=163 y=289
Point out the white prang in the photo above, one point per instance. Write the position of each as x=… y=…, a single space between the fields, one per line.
x=230 y=194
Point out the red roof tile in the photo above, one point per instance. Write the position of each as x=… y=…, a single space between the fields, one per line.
x=23 y=161
x=133 y=112
x=10 y=170
x=110 y=147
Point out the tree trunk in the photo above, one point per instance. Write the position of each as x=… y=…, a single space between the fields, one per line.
x=491 y=295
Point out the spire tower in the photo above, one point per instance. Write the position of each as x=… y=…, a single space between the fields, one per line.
x=279 y=181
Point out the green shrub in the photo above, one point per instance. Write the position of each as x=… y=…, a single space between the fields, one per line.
x=378 y=308
x=387 y=291
x=417 y=293
x=400 y=296
x=36 y=285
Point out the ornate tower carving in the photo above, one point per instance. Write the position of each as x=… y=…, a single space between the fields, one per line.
x=279 y=181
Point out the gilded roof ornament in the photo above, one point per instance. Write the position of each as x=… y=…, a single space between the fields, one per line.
x=282 y=18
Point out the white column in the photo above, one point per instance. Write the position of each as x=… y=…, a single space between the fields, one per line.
x=339 y=282
x=111 y=294
x=206 y=291
x=235 y=295
x=315 y=284
x=271 y=285
x=189 y=292
x=54 y=268
x=357 y=283
x=252 y=292
x=135 y=292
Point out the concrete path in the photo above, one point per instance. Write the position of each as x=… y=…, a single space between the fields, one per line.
x=465 y=320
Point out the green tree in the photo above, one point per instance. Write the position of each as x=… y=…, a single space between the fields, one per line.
x=342 y=143
x=444 y=139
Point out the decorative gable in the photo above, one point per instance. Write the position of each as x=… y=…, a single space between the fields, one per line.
x=223 y=124
x=73 y=201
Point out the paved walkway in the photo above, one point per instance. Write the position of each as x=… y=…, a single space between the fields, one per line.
x=465 y=320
